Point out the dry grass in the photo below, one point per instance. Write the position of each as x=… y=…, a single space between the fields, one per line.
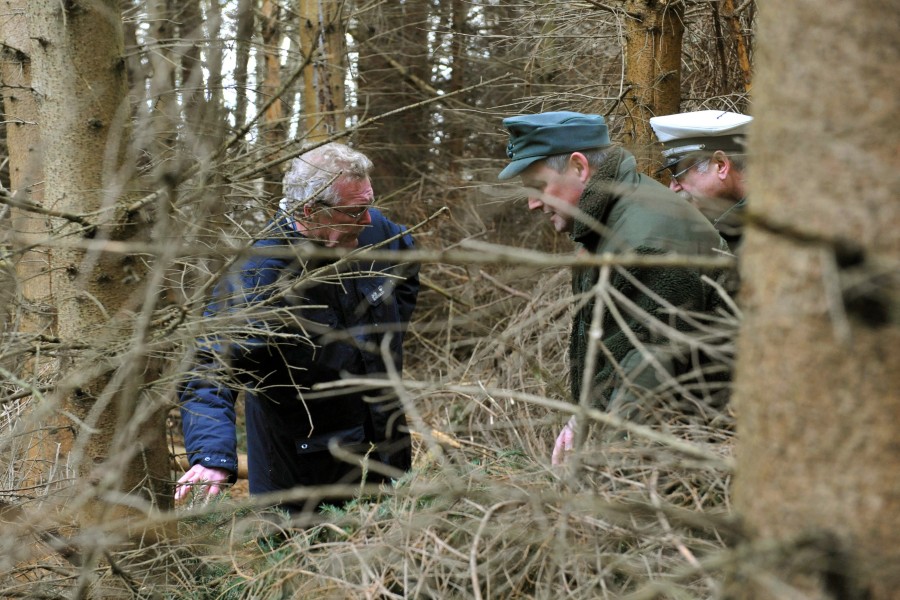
x=483 y=515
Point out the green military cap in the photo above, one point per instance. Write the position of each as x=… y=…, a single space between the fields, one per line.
x=536 y=137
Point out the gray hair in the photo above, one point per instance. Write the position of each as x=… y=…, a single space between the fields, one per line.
x=559 y=162
x=739 y=160
x=701 y=165
x=312 y=174
x=736 y=159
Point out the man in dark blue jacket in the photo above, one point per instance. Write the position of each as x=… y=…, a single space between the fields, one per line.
x=287 y=322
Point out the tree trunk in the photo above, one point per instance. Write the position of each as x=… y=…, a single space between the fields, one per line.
x=81 y=81
x=322 y=30
x=818 y=385
x=740 y=45
x=313 y=121
x=246 y=25
x=30 y=294
x=213 y=129
x=393 y=57
x=332 y=95
x=165 y=109
x=457 y=135
x=653 y=34
x=186 y=23
x=272 y=125
x=23 y=143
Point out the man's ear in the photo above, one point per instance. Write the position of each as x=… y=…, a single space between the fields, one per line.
x=722 y=164
x=579 y=162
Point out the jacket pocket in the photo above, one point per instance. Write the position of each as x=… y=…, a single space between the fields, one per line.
x=319 y=443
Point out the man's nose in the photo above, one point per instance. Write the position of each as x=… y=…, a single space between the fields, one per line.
x=366 y=218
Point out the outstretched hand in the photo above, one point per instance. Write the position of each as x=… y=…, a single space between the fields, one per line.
x=203 y=481
x=565 y=443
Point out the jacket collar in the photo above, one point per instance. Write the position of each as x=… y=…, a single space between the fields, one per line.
x=603 y=190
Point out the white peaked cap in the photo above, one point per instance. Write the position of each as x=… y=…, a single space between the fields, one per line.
x=703 y=130
x=701 y=123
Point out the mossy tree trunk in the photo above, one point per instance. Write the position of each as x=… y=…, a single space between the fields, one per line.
x=818 y=378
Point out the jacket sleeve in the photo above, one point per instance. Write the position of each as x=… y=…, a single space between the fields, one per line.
x=207 y=415
x=208 y=391
x=408 y=289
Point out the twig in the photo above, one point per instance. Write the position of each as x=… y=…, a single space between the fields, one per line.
x=618 y=100
x=361 y=125
x=667 y=527
x=673 y=443
x=426 y=282
x=9 y=200
x=613 y=10
x=418 y=82
x=504 y=287
x=473 y=553
x=743 y=7
x=477 y=253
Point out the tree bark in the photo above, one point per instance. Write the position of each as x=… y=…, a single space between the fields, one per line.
x=81 y=82
x=332 y=95
x=818 y=385
x=457 y=135
x=186 y=23
x=29 y=294
x=393 y=56
x=23 y=143
x=653 y=36
x=322 y=30
x=272 y=124
x=246 y=25
x=740 y=46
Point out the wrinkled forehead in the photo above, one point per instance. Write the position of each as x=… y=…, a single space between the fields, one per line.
x=537 y=173
x=357 y=190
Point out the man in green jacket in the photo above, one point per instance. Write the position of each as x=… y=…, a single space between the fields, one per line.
x=650 y=314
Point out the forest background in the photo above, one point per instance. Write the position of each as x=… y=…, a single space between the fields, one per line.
x=144 y=146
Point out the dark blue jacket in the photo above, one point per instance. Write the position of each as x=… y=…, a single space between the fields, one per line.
x=278 y=327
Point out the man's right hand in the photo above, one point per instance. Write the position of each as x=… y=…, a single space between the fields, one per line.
x=203 y=481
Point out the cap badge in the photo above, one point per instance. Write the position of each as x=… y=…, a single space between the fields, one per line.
x=683 y=149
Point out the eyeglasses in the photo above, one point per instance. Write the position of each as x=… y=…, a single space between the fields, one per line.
x=684 y=171
x=354 y=212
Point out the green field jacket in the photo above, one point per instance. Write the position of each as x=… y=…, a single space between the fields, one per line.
x=642 y=308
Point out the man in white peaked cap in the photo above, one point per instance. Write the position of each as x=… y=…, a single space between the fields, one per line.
x=704 y=153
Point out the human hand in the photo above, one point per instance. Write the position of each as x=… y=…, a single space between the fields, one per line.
x=204 y=481
x=565 y=443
